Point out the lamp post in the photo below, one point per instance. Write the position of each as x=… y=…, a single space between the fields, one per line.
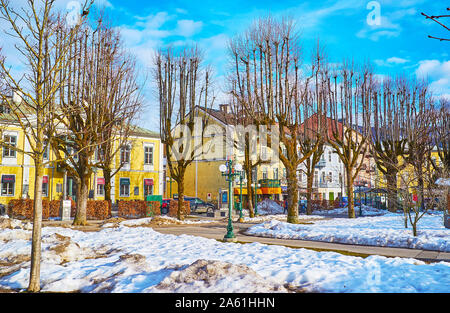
x=241 y=180
x=256 y=185
x=229 y=172
x=169 y=179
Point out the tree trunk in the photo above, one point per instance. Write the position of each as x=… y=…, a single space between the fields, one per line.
x=391 y=182
x=250 y=197
x=292 y=196
x=309 y=184
x=349 y=187
x=35 y=269
x=180 y=212
x=83 y=193
x=108 y=178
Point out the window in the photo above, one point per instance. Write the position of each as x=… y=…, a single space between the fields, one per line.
x=148 y=155
x=330 y=177
x=275 y=173
x=124 y=187
x=125 y=154
x=329 y=156
x=12 y=141
x=264 y=173
x=46 y=151
x=5 y=109
x=45 y=186
x=100 y=189
x=8 y=182
x=148 y=187
x=58 y=188
x=340 y=178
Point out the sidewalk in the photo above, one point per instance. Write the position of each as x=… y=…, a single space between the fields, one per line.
x=218 y=230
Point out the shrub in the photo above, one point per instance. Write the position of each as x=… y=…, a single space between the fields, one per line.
x=138 y=209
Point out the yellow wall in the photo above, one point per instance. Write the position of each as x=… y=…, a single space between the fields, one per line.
x=136 y=172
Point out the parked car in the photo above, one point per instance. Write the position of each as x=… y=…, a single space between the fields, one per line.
x=198 y=205
x=165 y=206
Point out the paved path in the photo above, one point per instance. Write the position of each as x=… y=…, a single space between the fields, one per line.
x=218 y=230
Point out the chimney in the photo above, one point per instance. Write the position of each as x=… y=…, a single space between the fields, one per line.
x=223 y=108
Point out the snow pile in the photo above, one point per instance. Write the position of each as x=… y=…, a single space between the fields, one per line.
x=268 y=206
x=280 y=217
x=365 y=209
x=216 y=276
x=6 y=222
x=384 y=231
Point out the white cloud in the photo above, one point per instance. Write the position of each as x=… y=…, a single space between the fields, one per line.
x=188 y=28
x=397 y=60
x=437 y=73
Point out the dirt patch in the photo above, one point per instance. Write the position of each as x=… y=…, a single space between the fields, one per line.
x=217 y=276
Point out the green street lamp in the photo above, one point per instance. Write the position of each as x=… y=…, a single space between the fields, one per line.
x=239 y=181
x=256 y=185
x=229 y=172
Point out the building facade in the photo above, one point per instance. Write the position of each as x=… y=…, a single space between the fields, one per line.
x=141 y=175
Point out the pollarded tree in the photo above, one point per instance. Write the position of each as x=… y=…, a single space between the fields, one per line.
x=99 y=77
x=182 y=85
x=270 y=86
x=350 y=125
x=388 y=135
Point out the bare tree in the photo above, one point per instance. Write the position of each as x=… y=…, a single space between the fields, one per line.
x=40 y=41
x=388 y=135
x=95 y=104
x=182 y=85
x=270 y=87
x=350 y=126
x=436 y=18
x=120 y=93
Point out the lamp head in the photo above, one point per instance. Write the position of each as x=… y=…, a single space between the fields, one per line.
x=223 y=168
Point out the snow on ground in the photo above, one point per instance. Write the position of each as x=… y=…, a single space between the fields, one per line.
x=139 y=259
x=268 y=206
x=387 y=231
x=280 y=217
x=365 y=209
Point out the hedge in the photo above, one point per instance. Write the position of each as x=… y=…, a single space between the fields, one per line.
x=23 y=208
x=138 y=208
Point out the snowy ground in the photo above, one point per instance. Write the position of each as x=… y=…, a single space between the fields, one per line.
x=387 y=231
x=139 y=259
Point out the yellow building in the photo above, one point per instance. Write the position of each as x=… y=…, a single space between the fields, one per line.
x=203 y=178
x=141 y=175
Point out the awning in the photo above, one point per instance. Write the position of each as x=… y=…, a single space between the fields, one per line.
x=8 y=178
x=100 y=181
x=45 y=179
x=124 y=181
x=148 y=182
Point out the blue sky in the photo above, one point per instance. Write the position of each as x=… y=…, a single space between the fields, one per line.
x=399 y=44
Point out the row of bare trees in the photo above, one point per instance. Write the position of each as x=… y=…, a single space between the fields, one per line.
x=395 y=120
x=79 y=95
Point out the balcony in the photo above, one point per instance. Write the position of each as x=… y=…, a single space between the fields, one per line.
x=321 y=163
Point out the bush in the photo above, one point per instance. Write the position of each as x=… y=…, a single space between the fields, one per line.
x=139 y=209
x=23 y=208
